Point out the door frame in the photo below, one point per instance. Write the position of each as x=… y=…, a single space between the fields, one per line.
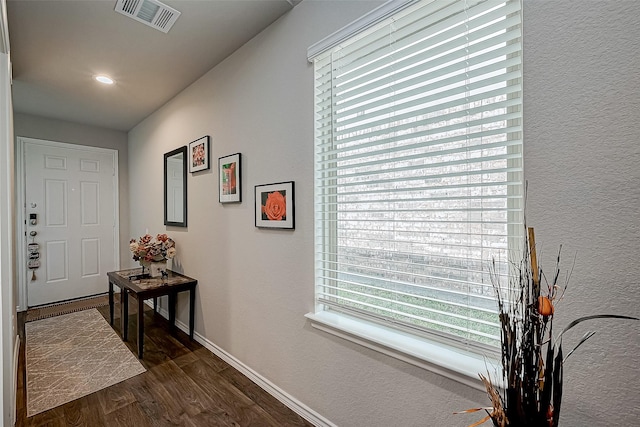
x=21 y=208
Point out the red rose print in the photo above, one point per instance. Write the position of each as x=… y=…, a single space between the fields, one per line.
x=275 y=207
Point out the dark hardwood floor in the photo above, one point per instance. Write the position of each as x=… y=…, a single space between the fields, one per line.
x=184 y=385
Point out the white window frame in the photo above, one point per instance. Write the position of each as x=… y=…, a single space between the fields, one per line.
x=447 y=357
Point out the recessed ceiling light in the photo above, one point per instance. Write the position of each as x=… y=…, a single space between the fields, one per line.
x=104 y=79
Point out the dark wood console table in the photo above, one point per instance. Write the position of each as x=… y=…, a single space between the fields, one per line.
x=146 y=288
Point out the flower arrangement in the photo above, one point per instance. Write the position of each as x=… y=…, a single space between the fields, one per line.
x=198 y=155
x=532 y=357
x=148 y=249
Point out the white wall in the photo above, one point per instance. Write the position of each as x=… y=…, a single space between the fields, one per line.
x=7 y=240
x=8 y=335
x=582 y=157
x=256 y=285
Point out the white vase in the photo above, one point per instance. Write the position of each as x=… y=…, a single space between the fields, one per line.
x=156 y=268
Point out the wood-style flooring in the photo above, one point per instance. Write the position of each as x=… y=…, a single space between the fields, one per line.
x=184 y=385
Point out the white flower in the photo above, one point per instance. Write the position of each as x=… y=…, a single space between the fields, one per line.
x=133 y=246
x=171 y=252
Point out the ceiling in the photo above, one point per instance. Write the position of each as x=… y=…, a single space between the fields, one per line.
x=57 y=47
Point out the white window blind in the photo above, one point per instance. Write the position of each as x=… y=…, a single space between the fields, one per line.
x=418 y=179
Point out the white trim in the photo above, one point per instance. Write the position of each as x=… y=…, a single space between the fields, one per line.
x=4 y=28
x=21 y=206
x=14 y=381
x=370 y=19
x=7 y=243
x=451 y=362
x=285 y=398
x=20 y=228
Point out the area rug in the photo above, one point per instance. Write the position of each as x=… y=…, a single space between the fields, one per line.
x=71 y=356
x=57 y=309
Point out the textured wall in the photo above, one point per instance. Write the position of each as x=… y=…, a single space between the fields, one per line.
x=582 y=151
x=256 y=285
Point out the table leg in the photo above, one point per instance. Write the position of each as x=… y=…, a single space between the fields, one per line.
x=140 y=327
x=172 y=309
x=155 y=305
x=111 y=303
x=124 y=313
x=192 y=303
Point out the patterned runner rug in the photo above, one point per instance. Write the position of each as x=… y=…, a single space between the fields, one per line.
x=71 y=356
x=68 y=307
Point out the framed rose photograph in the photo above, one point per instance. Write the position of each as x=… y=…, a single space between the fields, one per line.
x=199 y=154
x=229 y=189
x=275 y=205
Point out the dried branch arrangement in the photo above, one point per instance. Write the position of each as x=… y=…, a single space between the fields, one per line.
x=532 y=357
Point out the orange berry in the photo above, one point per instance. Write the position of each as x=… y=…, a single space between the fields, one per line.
x=545 y=307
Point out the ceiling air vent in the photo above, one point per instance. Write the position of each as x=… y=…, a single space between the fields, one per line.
x=149 y=12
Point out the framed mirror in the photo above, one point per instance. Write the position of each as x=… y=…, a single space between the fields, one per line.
x=175 y=187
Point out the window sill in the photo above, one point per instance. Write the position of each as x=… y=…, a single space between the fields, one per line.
x=454 y=363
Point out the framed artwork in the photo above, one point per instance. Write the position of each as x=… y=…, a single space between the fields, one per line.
x=199 y=154
x=229 y=188
x=275 y=205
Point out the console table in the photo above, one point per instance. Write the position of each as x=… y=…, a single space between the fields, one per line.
x=141 y=289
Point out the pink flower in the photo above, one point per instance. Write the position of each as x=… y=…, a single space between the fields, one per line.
x=148 y=249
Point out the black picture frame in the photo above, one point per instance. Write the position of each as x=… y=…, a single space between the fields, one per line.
x=229 y=179
x=275 y=205
x=199 y=154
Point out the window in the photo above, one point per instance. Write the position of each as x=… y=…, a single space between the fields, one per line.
x=418 y=168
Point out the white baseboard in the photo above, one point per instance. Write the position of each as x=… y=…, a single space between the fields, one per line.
x=291 y=402
x=14 y=387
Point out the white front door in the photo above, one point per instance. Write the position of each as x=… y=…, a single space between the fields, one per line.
x=71 y=205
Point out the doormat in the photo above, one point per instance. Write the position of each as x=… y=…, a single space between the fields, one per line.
x=68 y=307
x=71 y=356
